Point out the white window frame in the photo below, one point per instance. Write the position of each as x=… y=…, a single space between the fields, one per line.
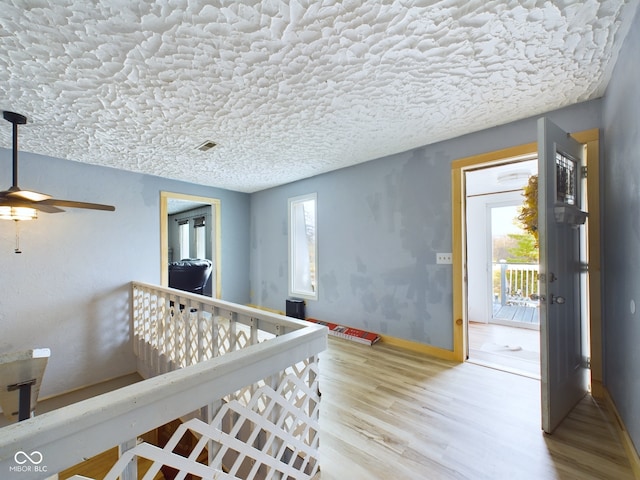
x=303 y=265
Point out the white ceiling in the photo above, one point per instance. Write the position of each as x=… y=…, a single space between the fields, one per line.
x=288 y=90
x=500 y=178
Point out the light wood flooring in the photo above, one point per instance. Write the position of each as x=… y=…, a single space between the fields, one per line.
x=515 y=350
x=391 y=414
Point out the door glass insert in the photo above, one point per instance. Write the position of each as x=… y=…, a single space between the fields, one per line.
x=565 y=179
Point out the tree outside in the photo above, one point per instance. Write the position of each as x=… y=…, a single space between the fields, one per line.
x=515 y=245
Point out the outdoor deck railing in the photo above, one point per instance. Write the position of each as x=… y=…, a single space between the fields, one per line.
x=243 y=381
x=516 y=283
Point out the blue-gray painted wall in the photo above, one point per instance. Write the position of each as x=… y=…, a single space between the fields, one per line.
x=68 y=290
x=380 y=225
x=621 y=233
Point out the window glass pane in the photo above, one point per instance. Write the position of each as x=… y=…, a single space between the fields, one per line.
x=184 y=240
x=200 y=242
x=565 y=179
x=303 y=248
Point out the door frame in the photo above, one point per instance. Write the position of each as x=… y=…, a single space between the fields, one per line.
x=509 y=155
x=164 y=236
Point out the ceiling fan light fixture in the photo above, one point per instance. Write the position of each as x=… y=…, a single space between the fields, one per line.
x=17 y=213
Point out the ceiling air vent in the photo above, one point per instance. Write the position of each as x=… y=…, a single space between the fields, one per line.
x=208 y=145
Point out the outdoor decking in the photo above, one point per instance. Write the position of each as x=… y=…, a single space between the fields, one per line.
x=515 y=294
x=523 y=314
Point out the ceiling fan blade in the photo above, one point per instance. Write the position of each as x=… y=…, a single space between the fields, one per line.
x=16 y=197
x=7 y=200
x=72 y=204
x=46 y=208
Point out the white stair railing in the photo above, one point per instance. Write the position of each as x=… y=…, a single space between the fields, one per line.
x=173 y=329
x=245 y=380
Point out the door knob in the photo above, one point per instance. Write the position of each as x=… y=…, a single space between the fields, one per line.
x=559 y=300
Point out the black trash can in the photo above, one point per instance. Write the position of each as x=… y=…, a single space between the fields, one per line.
x=295 y=308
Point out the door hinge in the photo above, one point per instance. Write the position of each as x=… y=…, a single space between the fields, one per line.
x=583 y=171
x=586 y=362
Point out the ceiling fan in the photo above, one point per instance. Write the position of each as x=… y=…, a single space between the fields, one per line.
x=19 y=204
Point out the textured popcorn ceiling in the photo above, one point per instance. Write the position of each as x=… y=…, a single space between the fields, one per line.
x=292 y=89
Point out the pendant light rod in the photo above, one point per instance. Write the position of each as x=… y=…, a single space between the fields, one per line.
x=16 y=119
x=15 y=154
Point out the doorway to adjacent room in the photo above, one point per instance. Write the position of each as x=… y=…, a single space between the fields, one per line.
x=202 y=231
x=502 y=268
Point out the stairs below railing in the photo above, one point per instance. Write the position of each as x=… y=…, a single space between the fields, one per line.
x=244 y=382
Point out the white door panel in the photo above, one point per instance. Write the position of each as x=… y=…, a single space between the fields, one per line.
x=562 y=280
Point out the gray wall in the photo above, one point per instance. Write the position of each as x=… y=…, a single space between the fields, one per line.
x=621 y=231
x=69 y=289
x=380 y=225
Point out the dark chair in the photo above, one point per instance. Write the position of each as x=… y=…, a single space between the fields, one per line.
x=190 y=274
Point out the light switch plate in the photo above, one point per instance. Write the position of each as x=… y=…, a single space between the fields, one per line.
x=444 y=258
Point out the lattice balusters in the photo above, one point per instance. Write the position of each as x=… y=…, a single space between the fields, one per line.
x=169 y=340
x=313 y=407
x=179 y=335
x=157 y=331
x=243 y=337
x=233 y=331
x=205 y=337
x=156 y=314
x=265 y=430
x=250 y=441
x=163 y=334
x=139 y=343
x=281 y=438
x=299 y=387
x=225 y=335
x=201 y=327
x=215 y=332
x=190 y=334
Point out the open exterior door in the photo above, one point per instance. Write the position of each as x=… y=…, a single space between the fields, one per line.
x=563 y=308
